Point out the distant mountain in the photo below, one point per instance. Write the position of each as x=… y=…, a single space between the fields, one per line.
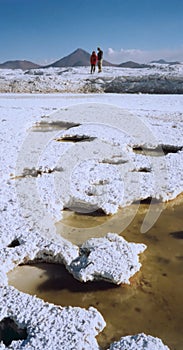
x=131 y=64
x=161 y=61
x=18 y=64
x=77 y=58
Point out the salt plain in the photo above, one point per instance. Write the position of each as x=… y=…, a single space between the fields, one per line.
x=161 y=113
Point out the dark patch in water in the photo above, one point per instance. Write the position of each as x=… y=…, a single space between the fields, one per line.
x=76 y=138
x=149 y=200
x=138 y=309
x=157 y=151
x=143 y=170
x=163 y=260
x=98 y=212
x=152 y=238
x=177 y=235
x=51 y=126
x=171 y=149
x=179 y=257
x=79 y=211
x=64 y=280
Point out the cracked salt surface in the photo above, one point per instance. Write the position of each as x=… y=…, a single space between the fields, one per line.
x=23 y=223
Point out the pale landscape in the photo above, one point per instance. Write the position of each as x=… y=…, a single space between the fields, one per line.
x=91 y=208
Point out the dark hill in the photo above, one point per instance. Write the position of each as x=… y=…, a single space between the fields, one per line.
x=161 y=61
x=18 y=64
x=77 y=58
x=131 y=64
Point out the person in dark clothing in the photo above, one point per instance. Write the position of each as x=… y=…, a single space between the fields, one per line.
x=93 y=61
x=100 y=58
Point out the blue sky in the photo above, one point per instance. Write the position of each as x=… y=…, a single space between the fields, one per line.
x=46 y=30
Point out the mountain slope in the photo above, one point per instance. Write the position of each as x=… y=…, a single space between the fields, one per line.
x=18 y=64
x=131 y=64
x=77 y=58
x=161 y=61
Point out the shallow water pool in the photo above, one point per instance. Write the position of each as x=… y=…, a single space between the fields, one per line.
x=152 y=303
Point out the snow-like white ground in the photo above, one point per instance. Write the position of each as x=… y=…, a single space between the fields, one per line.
x=159 y=78
x=139 y=342
x=160 y=117
x=49 y=326
x=32 y=161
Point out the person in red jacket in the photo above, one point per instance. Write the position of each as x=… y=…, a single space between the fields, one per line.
x=93 y=61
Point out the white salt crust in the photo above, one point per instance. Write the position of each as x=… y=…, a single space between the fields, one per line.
x=49 y=326
x=139 y=342
x=21 y=229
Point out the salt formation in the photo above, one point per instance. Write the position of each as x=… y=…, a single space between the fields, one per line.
x=139 y=342
x=49 y=326
x=34 y=248
x=116 y=176
x=156 y=78
x=110 y=258
x=101 y=188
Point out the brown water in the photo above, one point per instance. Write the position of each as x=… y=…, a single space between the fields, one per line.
x=151 y=304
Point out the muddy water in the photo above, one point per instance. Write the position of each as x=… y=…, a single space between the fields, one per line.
x=51 y=126
x=151 y=304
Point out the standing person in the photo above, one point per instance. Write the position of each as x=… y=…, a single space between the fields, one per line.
x=93 y=61
x=100 y=57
